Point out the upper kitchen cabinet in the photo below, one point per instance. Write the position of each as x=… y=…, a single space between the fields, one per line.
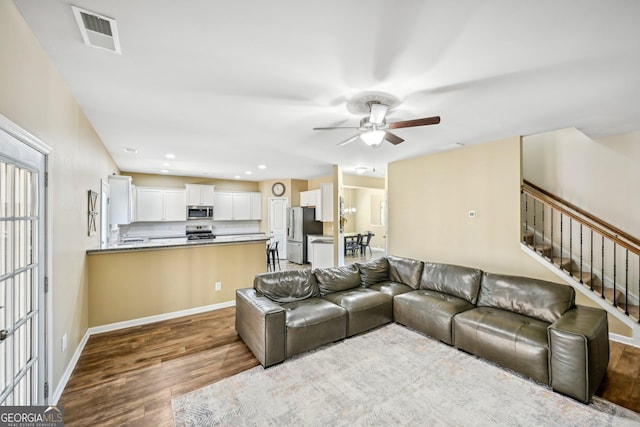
x=200 y=195
x=237 y=206
x=324 y=209
x=120 y=199
x=310 y=198
x=158 y=204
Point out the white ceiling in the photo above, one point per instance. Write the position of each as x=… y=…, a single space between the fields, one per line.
x=229 y=85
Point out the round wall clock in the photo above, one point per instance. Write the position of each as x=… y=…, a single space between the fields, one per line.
x=278 y=189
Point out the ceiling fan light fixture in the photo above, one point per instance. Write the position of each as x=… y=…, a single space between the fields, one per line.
x=373 y=137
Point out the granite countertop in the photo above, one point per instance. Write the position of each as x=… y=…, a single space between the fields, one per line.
x=177 y=242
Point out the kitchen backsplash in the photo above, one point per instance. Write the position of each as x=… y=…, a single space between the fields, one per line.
x=177 y=229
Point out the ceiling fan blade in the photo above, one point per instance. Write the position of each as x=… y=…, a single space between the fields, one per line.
x=337 y=127
x=417 y=122
x=346 y=141
x=378 y=112
x=392 y=138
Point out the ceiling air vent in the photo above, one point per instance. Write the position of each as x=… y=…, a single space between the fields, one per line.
x=97 y=30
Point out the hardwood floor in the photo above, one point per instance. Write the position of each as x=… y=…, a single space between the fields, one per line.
x=128 y=377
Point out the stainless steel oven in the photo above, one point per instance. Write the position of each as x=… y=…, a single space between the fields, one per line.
x=199 y=212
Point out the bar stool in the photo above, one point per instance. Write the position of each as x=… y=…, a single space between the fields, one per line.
x=273 y=256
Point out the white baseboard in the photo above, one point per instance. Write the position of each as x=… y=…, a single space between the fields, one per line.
x=157 y=318
x=53 y=400
x=622 y=339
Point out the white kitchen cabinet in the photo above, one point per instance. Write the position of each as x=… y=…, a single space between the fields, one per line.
x=237 y=206
x=120 y=199
x=200 y=195
x=222 y=206
x=175 y=205
x=309 y=198
x=158 y=204
x=324 y=203
x=256 y=206
x=241 y=206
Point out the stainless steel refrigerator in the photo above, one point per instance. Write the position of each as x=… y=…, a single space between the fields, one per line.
x=300 y=222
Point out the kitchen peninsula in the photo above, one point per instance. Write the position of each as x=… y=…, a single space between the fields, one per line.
x=154 y=278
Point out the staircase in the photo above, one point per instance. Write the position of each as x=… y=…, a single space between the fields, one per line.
x=599 y=260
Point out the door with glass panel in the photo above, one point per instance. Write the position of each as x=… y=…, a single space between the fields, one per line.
x=22 y=317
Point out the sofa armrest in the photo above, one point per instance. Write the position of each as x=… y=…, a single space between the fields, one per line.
x=260 y=322
x=579 y=352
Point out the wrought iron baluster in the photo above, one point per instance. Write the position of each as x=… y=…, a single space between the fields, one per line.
x=534 y=224
x=581 y=253
x=626 y=283
x=614 y=275
x=526 y=218
x=561 y=226
x=602 y=280
x=552 y=234
x=570 y=242
x=542 y=219
x=591 y=261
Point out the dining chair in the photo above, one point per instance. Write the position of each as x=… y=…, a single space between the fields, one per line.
x=365 y=243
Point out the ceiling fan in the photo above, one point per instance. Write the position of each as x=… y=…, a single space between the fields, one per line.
x=374 y=128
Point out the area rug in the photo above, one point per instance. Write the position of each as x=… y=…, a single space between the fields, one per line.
x=389 y=376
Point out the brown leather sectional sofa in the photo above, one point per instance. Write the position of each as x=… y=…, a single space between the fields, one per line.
x=527 y=325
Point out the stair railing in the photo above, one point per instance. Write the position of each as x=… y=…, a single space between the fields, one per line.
x=600 y=247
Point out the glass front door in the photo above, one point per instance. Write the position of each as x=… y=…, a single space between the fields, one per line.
x=22 y=330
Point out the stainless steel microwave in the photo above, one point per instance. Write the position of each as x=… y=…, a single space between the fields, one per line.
x=199 y=212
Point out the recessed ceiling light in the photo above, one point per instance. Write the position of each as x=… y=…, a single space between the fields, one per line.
x=237 y=177
x=248 y=172
x=164 y=171
x=262 y=166
x=360 y=170
x=130 y=150
x=170 y=156
x=166 y=164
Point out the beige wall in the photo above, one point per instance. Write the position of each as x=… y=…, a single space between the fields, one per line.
x=34 y=96
x=428 y=202
x=131 y=285
x=602 y=177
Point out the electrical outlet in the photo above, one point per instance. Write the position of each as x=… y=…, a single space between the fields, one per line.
x=63 y=344
x=218 y=286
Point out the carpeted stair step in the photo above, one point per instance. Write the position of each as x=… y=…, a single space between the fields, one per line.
x=543 y=249
x=583 y=277
x=563 y=263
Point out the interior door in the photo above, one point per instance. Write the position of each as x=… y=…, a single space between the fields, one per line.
x=278 y=223
x=22 y=268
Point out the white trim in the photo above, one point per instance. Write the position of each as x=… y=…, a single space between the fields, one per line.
x=159 y=317
x=53 y=400
x=621 y=339
x=604 y=304
x=17 y=132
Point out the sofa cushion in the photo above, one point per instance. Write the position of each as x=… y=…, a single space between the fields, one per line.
x=429 y=312
x=337 y=279
x=405 y=270
x=366 y=309
x=391 y=288
x=373 y=272
x=509 y=339
x=287 y=286
x=532 y=297
x=311 y=323
x=462 y=282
